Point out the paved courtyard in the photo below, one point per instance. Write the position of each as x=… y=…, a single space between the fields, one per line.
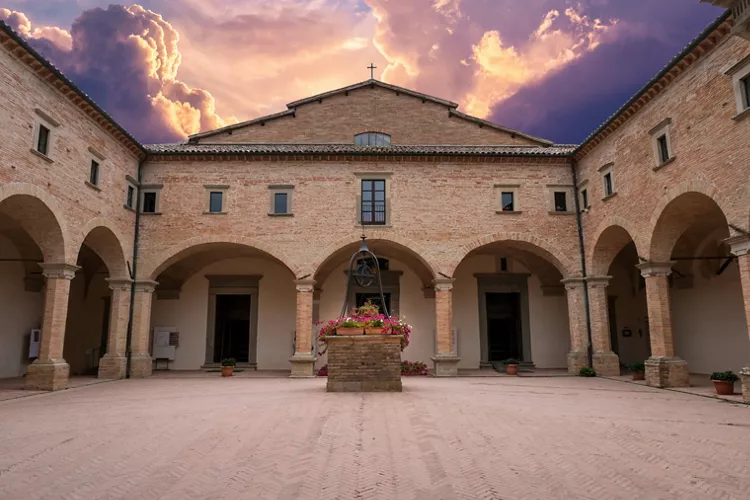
x=469 y=438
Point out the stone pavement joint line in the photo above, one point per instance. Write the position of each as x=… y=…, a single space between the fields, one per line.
x=488 y=438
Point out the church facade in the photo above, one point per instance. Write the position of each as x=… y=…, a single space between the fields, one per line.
x=492 y=243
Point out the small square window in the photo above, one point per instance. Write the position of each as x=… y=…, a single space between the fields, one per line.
x=507 y=201
x=561 y=201
x=130 y=196
x=215 y=201
x=280 y=203
x=42 y=142
x=149 y=202
x=663 y=146
x=585 y=198
x=94 y=173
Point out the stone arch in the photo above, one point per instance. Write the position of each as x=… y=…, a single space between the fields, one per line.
x=154 y=266
x=40 y=216
x=681 y=207
x=405 y=245
x=104 y=238
x=612 y=235
x=532 y=244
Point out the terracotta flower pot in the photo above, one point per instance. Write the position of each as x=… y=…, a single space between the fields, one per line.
x=227 y=371
x=639 y=375
x=373 y=330
x=340 y=330
x=724 y=388
x=511 y=369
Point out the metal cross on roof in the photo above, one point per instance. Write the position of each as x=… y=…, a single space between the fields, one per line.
x=372 y=68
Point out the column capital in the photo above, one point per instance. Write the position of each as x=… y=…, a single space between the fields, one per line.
x=651 y=269
x=305 y=285
x=739 y=245
x=147 y=286
x=443 y=284
x=573 y=283
x=59 y=271
x=119 y=284
x=598 y=281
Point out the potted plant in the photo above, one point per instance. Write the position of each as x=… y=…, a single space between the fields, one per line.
x=587 y=372
x=511 y=366
x=724 y=382
x=350 y=326
x=374 y=325
x=638 y=370
x=227 y=367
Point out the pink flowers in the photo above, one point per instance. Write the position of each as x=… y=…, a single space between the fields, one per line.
x=367 y=316
x=411 y=368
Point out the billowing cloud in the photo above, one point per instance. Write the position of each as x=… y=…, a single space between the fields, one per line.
x=127 y=59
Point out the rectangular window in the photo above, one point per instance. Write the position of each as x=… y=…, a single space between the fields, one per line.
x=585 y=198
x=42 y=143
x=130 y=196
x=663 y=146
x=215 y=199
x=745 y=86
x=561 y=201
x=373 y=202
x=280 y=203
x=94 y=173
x=608 y=187
x=149 y=202
x=507 y=201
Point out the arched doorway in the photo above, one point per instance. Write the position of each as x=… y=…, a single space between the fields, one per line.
x=407 y=288
x=216 y=300
x=30 y=235
x=509 y=302
x=704 y=329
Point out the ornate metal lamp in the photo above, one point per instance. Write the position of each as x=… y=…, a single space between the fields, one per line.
x=363 y=275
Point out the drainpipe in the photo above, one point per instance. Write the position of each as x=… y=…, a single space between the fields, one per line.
x=129 y=336
x=579 y=222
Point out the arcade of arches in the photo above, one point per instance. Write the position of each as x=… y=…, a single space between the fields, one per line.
x=673 y=297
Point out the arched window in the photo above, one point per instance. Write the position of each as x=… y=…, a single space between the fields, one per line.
x=372 y=139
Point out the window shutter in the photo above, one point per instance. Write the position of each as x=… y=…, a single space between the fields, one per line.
x=359 y=209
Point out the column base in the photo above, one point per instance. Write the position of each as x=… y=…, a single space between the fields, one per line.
x=606 y=364
x=112 y=367
x=745 y=380
x=667 y=372
x=51 y=375
x=576 y=361
x=141 y=366
x=446 y=365
x=303 y=366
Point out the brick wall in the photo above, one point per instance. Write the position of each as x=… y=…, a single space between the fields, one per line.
x=364 y=363
x=338 y=118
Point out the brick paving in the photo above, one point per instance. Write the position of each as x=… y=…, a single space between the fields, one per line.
x=469 y=438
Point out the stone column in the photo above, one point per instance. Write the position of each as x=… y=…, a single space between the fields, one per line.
x=50 y=372
x=606 y=362
x=740 y=246
x=140 y=358
x=112 y=364
x=303 y=361
x=445 y=359
x=663 y=368
x=579 y=340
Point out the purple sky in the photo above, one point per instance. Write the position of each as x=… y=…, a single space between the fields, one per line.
x=168 y=68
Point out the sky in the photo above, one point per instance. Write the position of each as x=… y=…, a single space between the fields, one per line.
x=165 y=69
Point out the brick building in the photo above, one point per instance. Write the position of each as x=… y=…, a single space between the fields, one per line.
x=492 y=243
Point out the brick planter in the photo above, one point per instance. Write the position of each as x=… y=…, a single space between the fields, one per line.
x=364 y=363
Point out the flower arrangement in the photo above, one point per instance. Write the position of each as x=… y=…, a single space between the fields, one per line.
x=412 y=368
x=367 y=318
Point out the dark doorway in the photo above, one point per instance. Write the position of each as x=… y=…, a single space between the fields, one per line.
x=611 y=305
x=105 y=326
x=504 y=326
x=374 y=298
x=232 y=329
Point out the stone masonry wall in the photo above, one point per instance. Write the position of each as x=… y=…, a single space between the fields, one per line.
x=338 y=118
x=364 y=363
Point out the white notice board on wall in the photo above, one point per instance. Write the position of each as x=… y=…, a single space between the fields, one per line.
x=163 y=348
